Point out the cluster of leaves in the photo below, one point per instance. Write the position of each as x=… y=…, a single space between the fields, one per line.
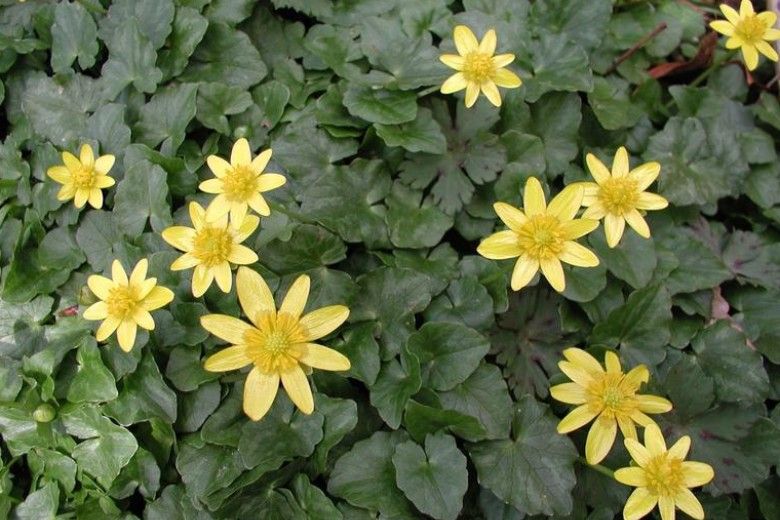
x=445 y=411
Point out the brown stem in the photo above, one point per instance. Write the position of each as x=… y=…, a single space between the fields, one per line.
x=638 y=45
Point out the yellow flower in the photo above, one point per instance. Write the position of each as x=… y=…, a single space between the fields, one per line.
x=749 y=32
x=125 y=303
x=211 y=247
x=662 y=477
x=618 y=197
x=608 y=396
x=83 y=177
x=240 y=183
x=478 y=68
x=541 y=236
x=278 y=344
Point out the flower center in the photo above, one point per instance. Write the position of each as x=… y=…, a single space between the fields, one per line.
x=751 y=29
x=275 y=346
x=121 y=302
x=83 y=178
x=239 y=184
x=664 y=475
x=478 y=67
x=212 y=246
x=619 y=196
x=608 y=396
x=541 y=237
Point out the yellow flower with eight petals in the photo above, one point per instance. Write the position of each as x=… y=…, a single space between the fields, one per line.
x=211 y=247
x=279 y=344
x=477 y=67
x=125 y=302
x=83 y=177
x=541 y=236
x=618 y=197
x=662 y=477
x=240 y=183
x=749 y=32
x=608 y=396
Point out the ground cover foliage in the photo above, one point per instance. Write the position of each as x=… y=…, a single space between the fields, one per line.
x=446 y=411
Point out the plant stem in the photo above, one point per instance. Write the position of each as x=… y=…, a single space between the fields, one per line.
x=716 y=63
x=597 y=467
x=428 y=90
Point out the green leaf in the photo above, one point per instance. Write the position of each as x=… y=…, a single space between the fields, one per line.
x=216 y=101
x=154 y=19
x=557 y=65
x=74 y=35
x=310 y=247
x=97 y=236
x=396 y=383
x=365 y=476
x=414 y=223
x=633 y=260
x=195 y=407
x=132 y=59
x=107 y=448
x=421 y=419
x=611 y=104
x=340 y=419
x=387 y=107
x=93 y=382
x=18 y=322
x=466 y=301
x=421 y=135
x=42 y=503
x=142 y=195
x=758 y=317
x=448 y=353
x=534 y=470
x=206 y=468
x=361 y=348
x=306 y=163
x=144 y=395
x=189 y=27
x=165 y=117
x=313 y=501
x=434 y=479
x=582 y=21
x=697 y=267
x=556 y=118
x=51 y=111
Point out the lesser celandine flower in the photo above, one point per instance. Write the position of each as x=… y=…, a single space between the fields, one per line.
x=609 y=396
x=662 y=477
x=279 y=344
x=240 y=183
x=541 y=236
x=477 y=67
x=748 y=31
x=125 y=302
x=210 y=247
x=83 y=177
x=619 y=195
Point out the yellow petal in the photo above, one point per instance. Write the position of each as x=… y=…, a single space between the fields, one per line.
x=600 y=439
x=86 y=156
x=241 y=154
x=772 y=35
x=144 y=288
x=746 y=9
x=259 y=393
x=641 y=419
x=590 y=193
x=566 y=204
x=118 y=273
x=583 y=360
x=576 y=373
x=95 y=198
x=612 y=362
x=768 y=18
x=465 y=41
x=553 y=271
x=533 y=198
x=697 y=473
x=472 y=92
x=506 y=78
x=651 y=201
x=223 y=276
x=261 y=161
x=211 y=186
x=454 y=83
x=653 y=404
x=179 y=237
x=637 y=223
x=523 y=272
x=202 y=277
x=197 y=214
x=454 y=61
x=510 y=215
x=620 y=163
x=143 y=319
x=320 y=323
x=595 y=212
x=577 y=418
x=488 y=43
x=67 y=192
x=598 y=170
x=104 y=181
x=613 y=227
x=218 y=166
x=230 y=358
x=577 y=228
x=500 y=246
x=158 y=297
x=750 y=55
x=627 y=427
x=639 y=504
x=242 y=255
x=734 y=42
x=295 y=300
x=107 y=328
x=270 y=181
x=104 y=163
x=297 y=387
x=689 y=504
x=679 y=449
x=636 y=376
x=60 y=174
x=247 y=227
x=502 y=60
x=654 y=440
x=645 y=174
x=185 y=261
x=218 y=208
x=491 y=92
x=81 y=197
x=226 y=327
x=258 y=203
x=254 y=294
x=767 y=50
x=638 y=452
x=71 y=162
x=575 y=254
x=666 y=507
x=237 y=211
x=631 y=476
x=324 y=358
x=569 y=393
x=100 y=286
x=138 y=274
x=723 y=27
x=125 y=334
x=96 y=311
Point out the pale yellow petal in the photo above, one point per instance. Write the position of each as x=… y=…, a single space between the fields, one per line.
x=104 y=181
x=600 y=439
x=259 y=393
x=226 y=327
x=627 y=427
x=465 y=40
x=297 y=387
x=104 y=163
x=510 y=215
x=138 y=274
x=242 y=255
x=454 y=61
x=502 y=60
x=583 y=360
x=730 y=13
x=118 y=273
x=576 y=254
x=100 y=286
x=71 y=162
x=261 y=161
x=523 y=272
x=223 y=276
x=506 y=78
x=533 y=198
x=613 y=227
x=679 y=449
x=553 y=271
x=566 y=204
x=237 y=211
x=96 y=311
x=575 y=419
x=638 y=452
x=211 y=186
x=321 y=322
x=577 y=228
x=143 y=319
x=247 y=227
x=125 y=334
x=746 y=8
x=666 y=507
x=654 y=440
x=639 y=504
x=295 y=300
x=767 y=50
x=595 y=212
x=687 y=502
x=697 y=473
x=218 y=166
x=270 y=181
x=750 y=55
x=653 y=404
x=576 y=373
x=491 y=92
x=488 y=43
x=197 y=214
x=95 y=198
x=569 y=393
x=651 y=201
x=631 y=476
x=768 y=18
x=158 y=297
x=218 y=208
x=636 y=376
x=620 y=163
x=641 y=418
x=324 y=358
x=723 y=27
x=107 y=328
x=67 y=192
x=598 y=170
x=637 y=223
x=230 y=358
x=734 y=42
x=144 y=288
x=60 y=174
x=500 y=246
x=254 y=294
x=472 y=93
x=241 y=154
x=185 y=261
x=257 y=202
x=81 y=197
x=179 y=237
x=612 y=362
x=86 y=156
x=202 y=277
x=772 y=34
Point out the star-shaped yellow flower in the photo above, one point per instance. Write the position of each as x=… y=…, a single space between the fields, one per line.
x=748 y=31
x=609 y=396
x=125 y=302
x=211 y=247
x=662 y=477
x=279 y=344
x=541 y=236
x=478 y=68
x=619 y=196
x=83 y=177
x=240 y=183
